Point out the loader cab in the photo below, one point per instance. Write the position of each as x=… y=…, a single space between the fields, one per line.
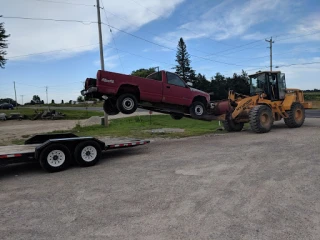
x=273 y=84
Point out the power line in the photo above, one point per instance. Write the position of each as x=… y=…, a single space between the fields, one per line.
x=303 y=35
x=51 y=19
x=78 y=21
x=296 y=64
x=113 y=40
x=181 y=27
x=70 y=3
x=120 y=30
x=151 y=33
x=58 y=50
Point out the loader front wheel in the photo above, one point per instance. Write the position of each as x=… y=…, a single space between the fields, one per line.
x=261 y=119
x=296 y=116
x=232 y=126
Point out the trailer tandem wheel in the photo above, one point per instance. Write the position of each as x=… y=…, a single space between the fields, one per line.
x=55 y=157
x=87 y=153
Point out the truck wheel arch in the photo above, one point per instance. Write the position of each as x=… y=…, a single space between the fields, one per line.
x=128 y=88
x=200 y=99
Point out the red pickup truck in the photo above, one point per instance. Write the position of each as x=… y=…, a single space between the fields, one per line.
x=160 y=92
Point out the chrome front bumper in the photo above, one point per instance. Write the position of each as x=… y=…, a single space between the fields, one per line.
x=89 y=90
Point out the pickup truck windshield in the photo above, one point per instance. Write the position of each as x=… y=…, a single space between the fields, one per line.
x=175 y=80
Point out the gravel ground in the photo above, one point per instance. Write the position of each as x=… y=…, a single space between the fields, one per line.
x=223 y=186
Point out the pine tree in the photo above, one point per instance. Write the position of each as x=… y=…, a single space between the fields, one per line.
x=183 y=68
x=3 y=45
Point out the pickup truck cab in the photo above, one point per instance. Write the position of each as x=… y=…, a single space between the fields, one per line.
x=160 y=92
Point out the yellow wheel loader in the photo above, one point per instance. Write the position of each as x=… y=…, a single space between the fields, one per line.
x=269 y=101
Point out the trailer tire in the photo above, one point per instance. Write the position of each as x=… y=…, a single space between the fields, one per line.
x=296 y=115
x=176 y=116
x=87 y=153
x=55 y=157
x=110 y=106
x=197 y=110
x=261 y=119
x=127 y=103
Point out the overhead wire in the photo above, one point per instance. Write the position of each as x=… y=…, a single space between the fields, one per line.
x=70 y=3
x=180 y=27
x=120 y=30
x=113 y=40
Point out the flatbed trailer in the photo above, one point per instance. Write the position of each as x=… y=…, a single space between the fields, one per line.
x=55 y=152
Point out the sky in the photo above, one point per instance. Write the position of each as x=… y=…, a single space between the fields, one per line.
x=225 y=36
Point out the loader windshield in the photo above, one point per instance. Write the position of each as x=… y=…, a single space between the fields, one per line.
x=257 y=84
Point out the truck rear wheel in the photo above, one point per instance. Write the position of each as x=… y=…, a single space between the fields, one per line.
x=261 y=119
x=55 y=157
x=127 y=103
x=176 y=116
x=232 y=126
x=87 y=153
x=109 y=106
x=296 y=115
x=197 y=110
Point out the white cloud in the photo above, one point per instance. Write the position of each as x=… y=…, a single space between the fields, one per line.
x=306 y=30
x=229 y=19
x=30 y=36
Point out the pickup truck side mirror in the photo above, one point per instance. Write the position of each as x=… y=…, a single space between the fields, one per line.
x=189 y=84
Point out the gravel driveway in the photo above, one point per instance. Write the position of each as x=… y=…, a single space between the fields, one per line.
x=229 y=186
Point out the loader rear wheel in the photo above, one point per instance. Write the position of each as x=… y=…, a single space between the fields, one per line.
x=261 y=119
x=296 y=116
x=109 y=106
x=232 y=126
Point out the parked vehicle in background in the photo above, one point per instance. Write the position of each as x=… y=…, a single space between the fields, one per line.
x=6 y=106
x=160 y=92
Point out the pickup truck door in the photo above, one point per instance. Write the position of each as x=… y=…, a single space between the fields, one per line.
x=175 y=90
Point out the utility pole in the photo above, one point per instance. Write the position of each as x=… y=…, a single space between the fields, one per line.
x=270 y=41
x=15 y=93
x=22 y=99
x=47 y=94
x=106 y=122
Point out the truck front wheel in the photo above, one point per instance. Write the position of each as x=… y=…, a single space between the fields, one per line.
x=197 y=110
x=127 y=103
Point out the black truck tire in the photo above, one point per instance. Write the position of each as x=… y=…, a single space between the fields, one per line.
x=87 y=153
x=110 y=106
x=296 y=116
x=261 y=119
x=197 y=110
x=231 y=126
x=55 y=157
x=127 y=103
x=176 y=116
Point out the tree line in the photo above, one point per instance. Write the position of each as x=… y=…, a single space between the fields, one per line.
x=218 y=85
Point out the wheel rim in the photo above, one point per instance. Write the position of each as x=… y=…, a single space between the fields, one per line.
x=56 y=158
x=198 y=110
x=298 y=115
x=128 y=103
x=89 y=153
x=264 y=119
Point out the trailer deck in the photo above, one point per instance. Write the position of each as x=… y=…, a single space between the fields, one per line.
x=51 y=150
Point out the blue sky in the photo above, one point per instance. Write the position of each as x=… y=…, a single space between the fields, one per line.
x=221 y=36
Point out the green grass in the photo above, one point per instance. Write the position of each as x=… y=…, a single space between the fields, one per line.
x=135 y=126
x=70 y=114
